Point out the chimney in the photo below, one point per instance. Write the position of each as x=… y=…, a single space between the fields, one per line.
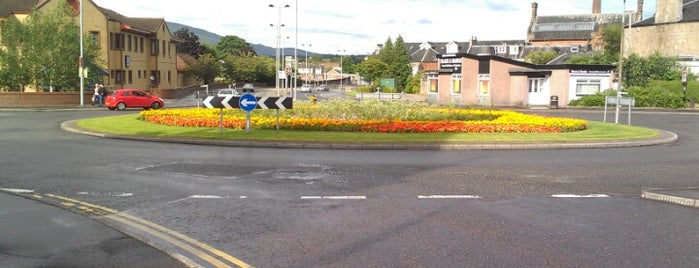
x=473 y=40
x=639 y=10
x=535 y=6
x=668 y=11
x=596 y=7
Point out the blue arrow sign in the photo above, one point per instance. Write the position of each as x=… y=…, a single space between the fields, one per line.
x=247 y=102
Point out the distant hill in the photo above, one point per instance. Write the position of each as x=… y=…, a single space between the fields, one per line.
x=206 y=37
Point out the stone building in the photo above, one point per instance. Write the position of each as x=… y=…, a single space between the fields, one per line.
x=134 y=52
x=672 y=32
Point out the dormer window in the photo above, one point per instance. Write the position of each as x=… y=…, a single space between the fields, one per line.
x=452 y=48
x=501 y=49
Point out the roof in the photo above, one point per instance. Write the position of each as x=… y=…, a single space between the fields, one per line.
x=570 y=27
x=690 y=13
x=10 y=7
x=140 y=25
x=428 y=51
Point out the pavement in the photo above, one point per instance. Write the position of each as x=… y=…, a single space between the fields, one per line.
x=38 y=234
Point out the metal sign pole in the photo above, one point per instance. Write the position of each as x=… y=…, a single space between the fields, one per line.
x=247 y=122
x=220 y=121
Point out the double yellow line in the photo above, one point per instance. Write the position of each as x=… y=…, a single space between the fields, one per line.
x=213 y=256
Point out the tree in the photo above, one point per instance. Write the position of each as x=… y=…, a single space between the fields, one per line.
x=610 y=55
x=400 y=63
x=540 y=57
x=206 y=69
x=638 y=71
x=233 y=45
x=42 y=51
x=373 y=69
x=190 y=43
x=247 y=68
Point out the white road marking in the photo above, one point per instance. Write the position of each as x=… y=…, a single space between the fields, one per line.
x=448 y=197
x=17 y=191
x=356 y=197
x=243 y=197
x=206 y=196
x=107 y=194
x=579 y=196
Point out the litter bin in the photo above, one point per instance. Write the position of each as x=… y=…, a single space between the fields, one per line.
x=553 y=104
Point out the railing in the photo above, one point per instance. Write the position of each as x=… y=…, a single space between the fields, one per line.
x=379 y=96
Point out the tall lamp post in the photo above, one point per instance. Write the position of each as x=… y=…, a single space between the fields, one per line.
x=621 y=66
x=341 y=71
x=309 y=46
x=80 y=60
x=279 y=36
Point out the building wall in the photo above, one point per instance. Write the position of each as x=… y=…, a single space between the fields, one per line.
x=500 y=91
x=141 y=64
x=559 y=86
x=668 y=39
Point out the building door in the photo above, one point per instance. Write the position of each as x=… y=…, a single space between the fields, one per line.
x=484 y=90
x=538 y=91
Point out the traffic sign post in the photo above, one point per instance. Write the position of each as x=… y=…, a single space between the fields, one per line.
x=248 y=102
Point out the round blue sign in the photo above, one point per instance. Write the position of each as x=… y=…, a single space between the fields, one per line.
x=247 y=102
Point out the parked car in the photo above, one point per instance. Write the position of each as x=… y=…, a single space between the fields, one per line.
x=248 y=87
x=121 y=99
x=225 y=92
x=306 y=88
x=323 y=88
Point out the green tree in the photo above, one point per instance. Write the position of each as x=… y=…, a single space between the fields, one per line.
x=400 y=64
x=638 y=71
x=190 y=43
x=42 y=51
x=540 y=57
x=373 y=69
x=206 y=69
x=610 y=55
x=233 y=45
x=248 y=68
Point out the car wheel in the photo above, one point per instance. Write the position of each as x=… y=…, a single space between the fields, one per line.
x=121 y=106
x=155 y=105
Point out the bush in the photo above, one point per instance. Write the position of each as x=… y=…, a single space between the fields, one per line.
x=596 y=100
x=657 y=96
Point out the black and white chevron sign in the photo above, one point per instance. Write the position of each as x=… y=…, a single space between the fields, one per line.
x=232 y=102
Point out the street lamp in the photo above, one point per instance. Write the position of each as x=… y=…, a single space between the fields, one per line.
x=309 y=46
x=341 y=71
x=279 y=36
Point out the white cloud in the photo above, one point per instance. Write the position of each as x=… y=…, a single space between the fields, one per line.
x=357 y=26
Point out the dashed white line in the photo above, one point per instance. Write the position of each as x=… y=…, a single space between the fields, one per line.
x=17 y=191
x=579 y=196
x=355 y=197
x=205 y=197
x=448 y=197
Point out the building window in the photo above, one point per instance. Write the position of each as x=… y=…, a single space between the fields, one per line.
x=139 y=74
x=119 y=77
x=164 y=50
x=169 y=77
x=95 y=38
x=154 y=47
x=456 y=83
x=587 y=87
x=117 y=41
x=141 y=45
x=501 y=49
x=128 y=42
x=536 y=85
x=483 y=84
x=433 y=81
x=130 y=77
x=127 y=61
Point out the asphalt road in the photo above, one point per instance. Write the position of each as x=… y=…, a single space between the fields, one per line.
x=269 y=207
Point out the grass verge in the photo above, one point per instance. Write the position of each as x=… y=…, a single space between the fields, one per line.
x=130 y=125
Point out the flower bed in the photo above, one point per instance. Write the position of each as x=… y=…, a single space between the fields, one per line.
x=370 y=117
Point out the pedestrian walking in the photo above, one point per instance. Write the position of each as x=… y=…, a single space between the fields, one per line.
x=96 y=95
x=103 y=94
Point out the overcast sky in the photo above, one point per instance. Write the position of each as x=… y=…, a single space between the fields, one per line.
x=357 y=26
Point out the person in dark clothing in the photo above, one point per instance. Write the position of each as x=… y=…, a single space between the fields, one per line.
x=103 y=94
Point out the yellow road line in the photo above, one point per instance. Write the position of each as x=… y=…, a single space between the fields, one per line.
x=188 y=239
x=146 y=226
x=170 y=240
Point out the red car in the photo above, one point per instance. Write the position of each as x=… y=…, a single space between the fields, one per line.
x=121 y=99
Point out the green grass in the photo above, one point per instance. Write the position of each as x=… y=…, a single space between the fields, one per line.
x=131 y=125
